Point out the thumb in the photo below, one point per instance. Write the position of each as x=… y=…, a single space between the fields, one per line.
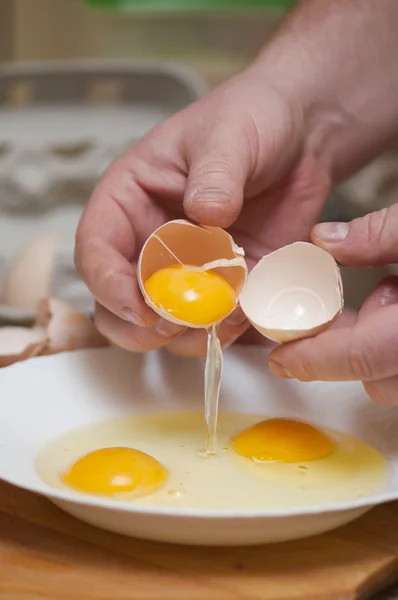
x=366 y=351
x=218 y=170
x=369 y=241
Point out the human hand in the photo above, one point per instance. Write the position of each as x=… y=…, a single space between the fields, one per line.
x=257 y=155
x=367 y=350
x=239 y=158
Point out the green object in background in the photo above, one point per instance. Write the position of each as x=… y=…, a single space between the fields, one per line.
x=189 y=5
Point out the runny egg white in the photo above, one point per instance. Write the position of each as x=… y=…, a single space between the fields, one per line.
x=158 y=460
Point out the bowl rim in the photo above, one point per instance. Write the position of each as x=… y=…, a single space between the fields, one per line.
x=40 y=487
x=88 y=500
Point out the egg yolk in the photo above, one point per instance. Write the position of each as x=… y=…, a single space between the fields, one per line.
x=195 y=297
x=113 y=470
x=283 y=440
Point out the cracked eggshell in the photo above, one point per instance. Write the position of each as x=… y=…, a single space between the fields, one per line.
x=66 y=327
x=21 y=343
x=294 y=292
x=59 y=328
x=29 y=276
x=183 y=242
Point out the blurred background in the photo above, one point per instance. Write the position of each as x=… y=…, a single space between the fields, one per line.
x=80 y=80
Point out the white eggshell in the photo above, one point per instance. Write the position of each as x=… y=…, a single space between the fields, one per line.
x=29 y=276
x=59 y=327
x=294 y=292
x=20 y=343
x=66 y=327
x=183 y=242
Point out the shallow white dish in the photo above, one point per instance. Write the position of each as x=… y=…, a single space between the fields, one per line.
x=45 y=397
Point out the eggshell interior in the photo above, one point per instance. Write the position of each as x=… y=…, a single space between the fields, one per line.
x=293 y=291
x=189 y=244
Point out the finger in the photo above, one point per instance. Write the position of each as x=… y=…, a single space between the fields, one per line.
x=368 y=241
x=366 y=351
x=385 y=293
x=384 y=391
x=218 y=167
x=193 y=343
x=133 y=338
x=113 y=282
x=347 y=318
x=252 y=337
x=106 y=245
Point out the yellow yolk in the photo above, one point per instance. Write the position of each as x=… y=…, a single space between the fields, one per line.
x=113 y=470
x=195 y=297
x=283 y=440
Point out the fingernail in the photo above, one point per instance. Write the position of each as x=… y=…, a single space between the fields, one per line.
x=331 y=232
x=132 y=317
x=280 y=370
x=237 y=318
x=211 y=195
x=168 y=329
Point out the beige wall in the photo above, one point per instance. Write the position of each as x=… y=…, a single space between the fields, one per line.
x=6 y=30
x=62 y=29
x=46 y=29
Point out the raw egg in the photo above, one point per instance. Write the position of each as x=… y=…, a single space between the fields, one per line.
x=338 y=468
x=284 y=440
x=294 y=292
x=190 y=274
x=111 y=471
x=196 y=297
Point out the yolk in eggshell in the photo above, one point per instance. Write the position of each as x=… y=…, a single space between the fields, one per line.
x=196 y=297
x=283 y=440
x=110 y=471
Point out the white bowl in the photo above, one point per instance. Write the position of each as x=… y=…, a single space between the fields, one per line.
x=44 y=397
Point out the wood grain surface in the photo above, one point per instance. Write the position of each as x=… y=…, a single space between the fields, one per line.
x=46 y=554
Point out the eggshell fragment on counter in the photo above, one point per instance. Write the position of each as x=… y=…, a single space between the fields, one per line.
x=66 y=327
x=21 y=343
x=29 y=275
x=294 y=292
x=59 y=328
x=182 y=242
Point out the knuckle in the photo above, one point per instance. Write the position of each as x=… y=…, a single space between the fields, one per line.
x=381 y=392
x=301 y=360
x=306 y=371
x=229 y=336
x=360 y=360
x=377 y=230
x=189 y=346
x=221 y=169
x=115 y=330
x=101 y=324
x=84 y=255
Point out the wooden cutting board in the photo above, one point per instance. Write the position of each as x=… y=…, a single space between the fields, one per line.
x=47 y=555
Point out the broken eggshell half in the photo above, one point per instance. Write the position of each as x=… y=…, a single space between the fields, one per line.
x=294 y=292
x=182 y=242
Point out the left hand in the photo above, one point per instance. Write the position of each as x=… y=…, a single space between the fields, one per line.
x=367 y=350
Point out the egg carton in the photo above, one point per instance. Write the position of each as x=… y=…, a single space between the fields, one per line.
x=61 y=124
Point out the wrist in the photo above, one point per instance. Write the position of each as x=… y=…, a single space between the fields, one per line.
x=337 y=60
x=322 y=123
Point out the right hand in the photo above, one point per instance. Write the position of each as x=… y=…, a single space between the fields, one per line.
x=239 y=158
